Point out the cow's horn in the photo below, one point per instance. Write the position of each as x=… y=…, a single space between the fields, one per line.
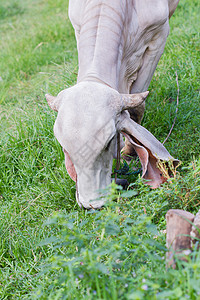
x=133 y=100
x=52 y=101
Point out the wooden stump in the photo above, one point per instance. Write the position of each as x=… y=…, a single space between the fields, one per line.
x=178 y=234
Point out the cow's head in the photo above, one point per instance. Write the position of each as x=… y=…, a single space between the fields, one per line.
x=89 y=117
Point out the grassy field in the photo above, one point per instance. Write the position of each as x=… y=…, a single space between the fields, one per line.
x=49 y=248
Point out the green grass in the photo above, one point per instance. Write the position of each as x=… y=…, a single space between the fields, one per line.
x=49 y=248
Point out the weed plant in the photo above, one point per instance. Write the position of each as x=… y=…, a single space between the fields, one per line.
x=49 y=248
x=115 y=253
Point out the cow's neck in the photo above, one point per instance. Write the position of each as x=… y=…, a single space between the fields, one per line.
x=119 y=47
x=100 y=41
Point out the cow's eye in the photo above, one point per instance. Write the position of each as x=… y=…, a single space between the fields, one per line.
x=108 y=145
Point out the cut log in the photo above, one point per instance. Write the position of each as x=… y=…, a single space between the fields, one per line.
x=178 y=235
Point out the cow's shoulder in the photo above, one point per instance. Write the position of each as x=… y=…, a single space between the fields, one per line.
x=75 y=12
x=151 y=13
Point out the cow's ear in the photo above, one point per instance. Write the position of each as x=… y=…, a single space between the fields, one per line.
x=70 y=166
x=149 y=150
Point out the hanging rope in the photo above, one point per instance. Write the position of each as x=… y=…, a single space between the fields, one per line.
x=118 y=156
x=177 y=101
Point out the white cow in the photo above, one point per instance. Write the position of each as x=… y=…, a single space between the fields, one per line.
x=119 y=45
